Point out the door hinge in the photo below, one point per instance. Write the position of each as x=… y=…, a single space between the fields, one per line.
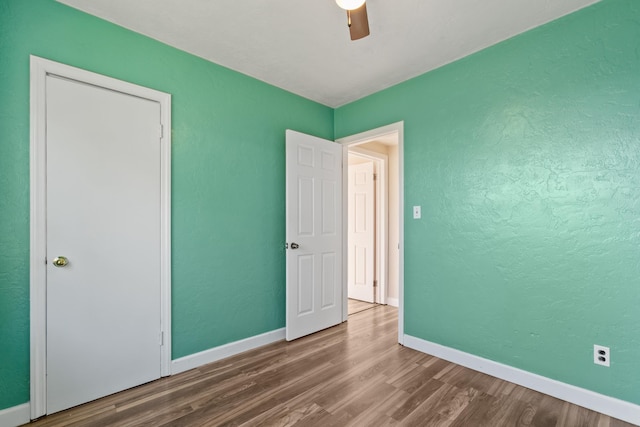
x=161 y=338
x=45 y=260
x=375 y=283
x=375 y=176
x=161 y=131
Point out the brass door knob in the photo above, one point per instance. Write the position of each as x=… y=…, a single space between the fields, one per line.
x=60 y=261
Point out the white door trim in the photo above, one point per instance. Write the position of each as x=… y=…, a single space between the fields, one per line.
x=40 y=68
x=381 y=212
x=347 y=141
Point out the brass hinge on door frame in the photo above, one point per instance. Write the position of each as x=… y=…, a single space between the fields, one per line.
x=375 y=283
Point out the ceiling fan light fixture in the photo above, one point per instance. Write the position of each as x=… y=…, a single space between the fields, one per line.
x=350 y=4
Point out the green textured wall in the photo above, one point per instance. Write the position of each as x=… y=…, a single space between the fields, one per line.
x=228 y=178
x=525 y=158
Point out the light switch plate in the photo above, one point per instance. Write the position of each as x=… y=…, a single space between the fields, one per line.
x=417 y=212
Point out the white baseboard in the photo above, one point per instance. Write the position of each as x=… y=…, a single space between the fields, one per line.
x=613 y=407
x=15 y=416
x=227 y=350
x=392 y=301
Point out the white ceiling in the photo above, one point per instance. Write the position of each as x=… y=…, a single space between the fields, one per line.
x=303 y=46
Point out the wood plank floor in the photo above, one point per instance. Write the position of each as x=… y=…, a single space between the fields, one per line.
x=354 y=374
x=356 y=306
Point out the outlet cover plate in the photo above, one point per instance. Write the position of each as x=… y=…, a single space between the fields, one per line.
x=600 y=351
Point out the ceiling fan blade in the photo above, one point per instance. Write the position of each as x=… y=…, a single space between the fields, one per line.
x=359 y=21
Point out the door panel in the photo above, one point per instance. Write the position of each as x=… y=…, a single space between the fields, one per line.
x=314 y=223
x=361 y=257
x=329 y=297
x=103 y=214
x=305 y=284
x=305 y=206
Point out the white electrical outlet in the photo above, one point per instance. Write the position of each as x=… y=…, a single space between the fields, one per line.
x=601 y=355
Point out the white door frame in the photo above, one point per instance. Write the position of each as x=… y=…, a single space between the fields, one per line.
x=356 y=139
x=381 y=218
x=40 y=68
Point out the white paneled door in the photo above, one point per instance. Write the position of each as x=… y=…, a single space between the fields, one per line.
x=314 y=234
x=103 y=242
x=361 y=188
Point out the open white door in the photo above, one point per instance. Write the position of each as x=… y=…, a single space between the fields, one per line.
x=361 y=231
x=314 y=234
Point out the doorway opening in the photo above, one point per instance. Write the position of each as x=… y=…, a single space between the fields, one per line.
x=367 y=226
x=373 y=220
